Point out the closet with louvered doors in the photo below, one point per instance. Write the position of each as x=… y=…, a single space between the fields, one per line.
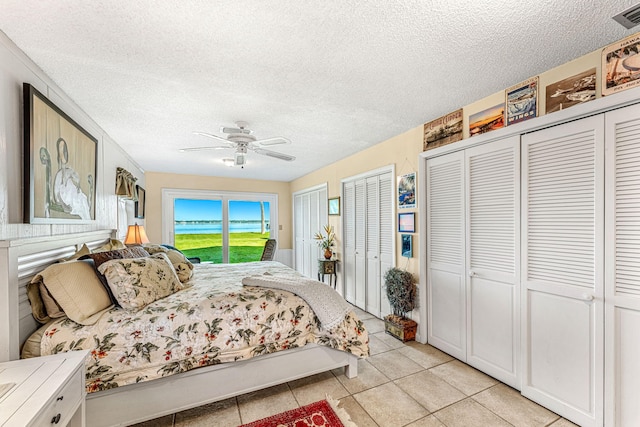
x=369 y=238
x=622 y=267
x=309 y=216
x=562 y=268
x=473 y=256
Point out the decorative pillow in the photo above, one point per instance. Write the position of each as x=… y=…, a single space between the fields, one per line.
x=76 y=289
x=102 y=257
x=84 y=250
x=112 y=245
x=138 y=282
x=53 y=309
x=183 y=267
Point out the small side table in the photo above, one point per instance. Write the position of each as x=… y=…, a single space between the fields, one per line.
x=48 y=390
x=328 y=267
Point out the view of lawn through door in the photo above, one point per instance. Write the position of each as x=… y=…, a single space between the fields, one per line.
x=200 y=229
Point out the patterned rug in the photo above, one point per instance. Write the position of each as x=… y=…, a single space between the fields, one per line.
x=324 y=413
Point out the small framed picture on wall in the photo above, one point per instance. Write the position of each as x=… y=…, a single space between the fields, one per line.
x=140 y=203
x=407 y=245
x=406 y=222
x=334 y=206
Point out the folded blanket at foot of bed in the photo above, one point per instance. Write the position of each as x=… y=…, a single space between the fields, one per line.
x=329 y=306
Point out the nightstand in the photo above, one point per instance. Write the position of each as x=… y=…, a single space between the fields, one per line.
x=48 y=390
x=328 y=266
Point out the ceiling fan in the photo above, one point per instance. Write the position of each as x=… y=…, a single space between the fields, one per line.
x=241 y=139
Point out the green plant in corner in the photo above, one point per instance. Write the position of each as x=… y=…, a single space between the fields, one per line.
x=401 y=291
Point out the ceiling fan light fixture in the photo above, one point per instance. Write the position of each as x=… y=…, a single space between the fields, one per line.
x=240 y=159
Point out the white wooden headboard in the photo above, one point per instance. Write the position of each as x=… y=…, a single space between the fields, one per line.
x=20 y=260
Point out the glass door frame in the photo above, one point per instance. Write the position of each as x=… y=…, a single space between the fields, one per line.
x=169 y=195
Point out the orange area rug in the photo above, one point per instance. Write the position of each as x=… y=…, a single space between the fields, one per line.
x=324 y=413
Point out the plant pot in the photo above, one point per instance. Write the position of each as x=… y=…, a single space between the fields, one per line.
x=328 y=254
x=402 y=328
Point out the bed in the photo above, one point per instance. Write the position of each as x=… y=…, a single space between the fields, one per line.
x=231 y=357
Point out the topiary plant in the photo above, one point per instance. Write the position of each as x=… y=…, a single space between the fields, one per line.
x=401 y=291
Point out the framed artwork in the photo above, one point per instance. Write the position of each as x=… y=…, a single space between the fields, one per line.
x=407 y=245
x=407 y=191
x=334 y=206
x=486 y=120
x=140 y=203
x=60 y=159
x=621 y=65
x=571 y=91
x=406 y=222
x=442 y=131
x=521 y=101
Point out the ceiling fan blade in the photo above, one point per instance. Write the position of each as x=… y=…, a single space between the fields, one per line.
x=217 y=138
x=275 y=154
x=213 y=147
x=224 y=129
x=278 y=140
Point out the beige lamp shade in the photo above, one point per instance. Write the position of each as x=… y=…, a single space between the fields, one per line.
x=136 y=235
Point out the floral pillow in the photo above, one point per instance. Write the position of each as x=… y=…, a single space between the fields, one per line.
x=184 y=268
x=137 y=282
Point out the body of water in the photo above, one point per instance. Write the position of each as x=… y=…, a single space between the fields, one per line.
x=216 y=227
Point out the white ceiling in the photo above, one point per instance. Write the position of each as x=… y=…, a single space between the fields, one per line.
x=333 y=76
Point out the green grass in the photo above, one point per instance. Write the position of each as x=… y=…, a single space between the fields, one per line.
x=244 y=247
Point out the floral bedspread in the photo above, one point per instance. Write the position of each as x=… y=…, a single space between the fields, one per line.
x=215 y=320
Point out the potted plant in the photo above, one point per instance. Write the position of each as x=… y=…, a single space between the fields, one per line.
x=327 y=241
x=401 y=292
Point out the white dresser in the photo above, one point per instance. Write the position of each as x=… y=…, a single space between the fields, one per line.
x=46 y=391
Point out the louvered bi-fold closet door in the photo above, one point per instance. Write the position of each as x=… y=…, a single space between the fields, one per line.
x=622 y=264
x=446 y=278
x=387 y=234
x=361 y=244
x=373 y=246
x=349 y=241
x=562 y=269
x=492 y=254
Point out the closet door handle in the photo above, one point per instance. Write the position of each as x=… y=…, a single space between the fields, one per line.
x=587 y=297
x=472 y=273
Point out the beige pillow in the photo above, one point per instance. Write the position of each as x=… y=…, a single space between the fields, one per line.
x=52 y=307
x=183 y=267
x=84 y=250
x=112 y=245
x=137 y=282
x=76 y=288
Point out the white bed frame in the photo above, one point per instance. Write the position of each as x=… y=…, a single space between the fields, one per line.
x=21 y=259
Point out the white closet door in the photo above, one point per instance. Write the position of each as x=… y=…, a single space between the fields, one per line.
x=373 y=246
x=387 y=234
x=562 y=269
x=622 y=293
x=361 y=246
x=492 y=254
x=306 y=232
x=446 y=276
x=309 y=215
x=349 y=241
x=298 y=221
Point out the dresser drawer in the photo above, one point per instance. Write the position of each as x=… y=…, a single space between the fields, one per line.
x=61 y=407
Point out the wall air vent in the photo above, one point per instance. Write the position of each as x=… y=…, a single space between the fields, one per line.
x=629 y=18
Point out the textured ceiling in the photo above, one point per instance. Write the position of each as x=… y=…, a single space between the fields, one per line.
x=333 y=76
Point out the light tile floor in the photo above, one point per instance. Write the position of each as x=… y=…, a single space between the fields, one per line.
x=410 y=384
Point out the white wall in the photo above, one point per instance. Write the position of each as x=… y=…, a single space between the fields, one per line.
x=15 y=69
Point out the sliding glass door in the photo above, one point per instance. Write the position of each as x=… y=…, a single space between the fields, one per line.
x=198 y=228
x=249 y=229
x=219 y=227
